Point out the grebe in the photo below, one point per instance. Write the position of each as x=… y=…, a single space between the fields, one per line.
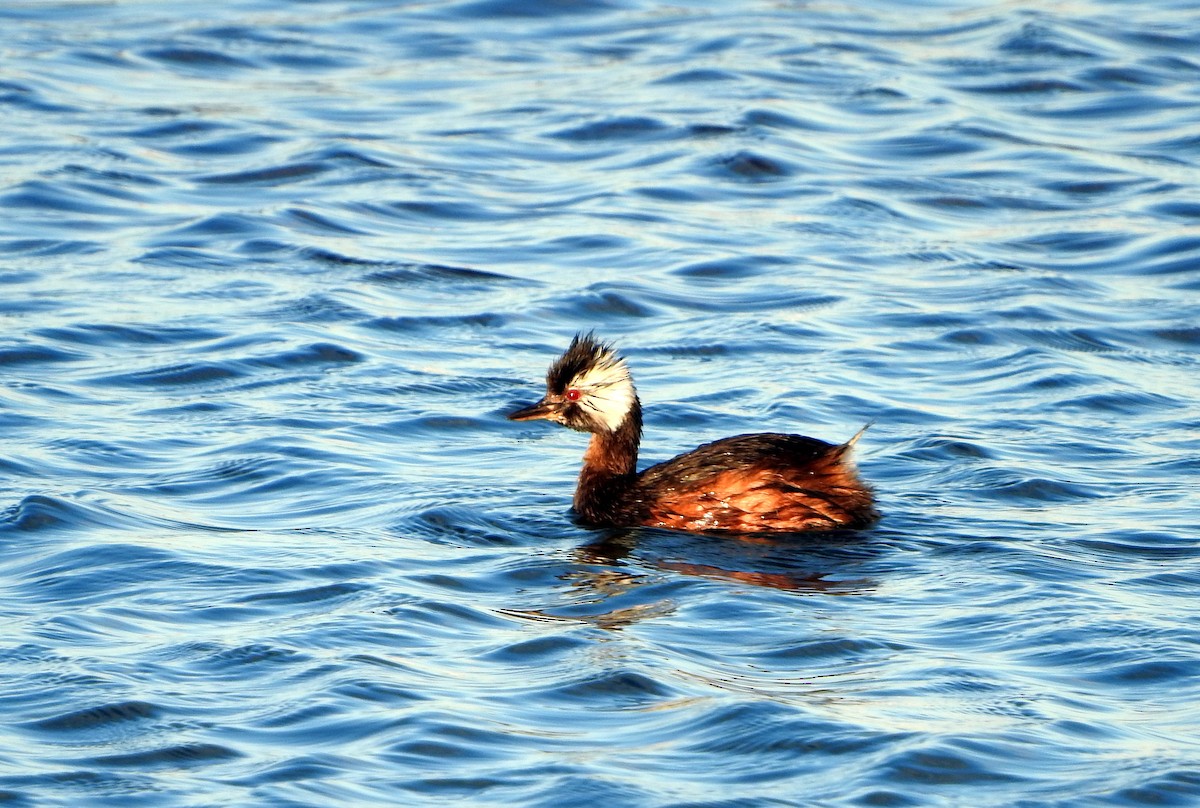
x=748 y=483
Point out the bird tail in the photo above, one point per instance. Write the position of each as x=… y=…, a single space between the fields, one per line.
x=848 y=445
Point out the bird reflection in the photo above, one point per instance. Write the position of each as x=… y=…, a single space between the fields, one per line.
x=619 y=579
x=799 y=564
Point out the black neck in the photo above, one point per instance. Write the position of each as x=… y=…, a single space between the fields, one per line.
x=609 y=468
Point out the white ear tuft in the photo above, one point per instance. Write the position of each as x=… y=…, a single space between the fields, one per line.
x=608 y=392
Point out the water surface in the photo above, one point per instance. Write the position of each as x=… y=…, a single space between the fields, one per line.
x=273 y=272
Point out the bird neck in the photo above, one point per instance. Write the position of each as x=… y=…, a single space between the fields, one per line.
x=609 y=466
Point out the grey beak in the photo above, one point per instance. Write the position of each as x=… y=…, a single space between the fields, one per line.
x=542 y=409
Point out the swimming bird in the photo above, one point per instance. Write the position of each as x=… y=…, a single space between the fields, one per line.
x=748 y=483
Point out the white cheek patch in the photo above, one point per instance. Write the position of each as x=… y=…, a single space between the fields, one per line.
x=608 y=393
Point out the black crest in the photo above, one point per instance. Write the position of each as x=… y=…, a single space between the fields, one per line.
x=583 y=353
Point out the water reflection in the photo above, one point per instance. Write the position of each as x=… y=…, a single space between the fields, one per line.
x=806 y=564
x=627 y=576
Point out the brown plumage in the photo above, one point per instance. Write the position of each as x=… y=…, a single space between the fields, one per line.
x=748 y=483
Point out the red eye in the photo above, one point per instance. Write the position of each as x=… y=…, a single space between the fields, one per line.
x=573 y=394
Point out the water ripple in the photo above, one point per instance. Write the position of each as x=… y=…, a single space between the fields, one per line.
x=274 y=275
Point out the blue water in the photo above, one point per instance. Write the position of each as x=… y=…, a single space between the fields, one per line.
x=272 y=273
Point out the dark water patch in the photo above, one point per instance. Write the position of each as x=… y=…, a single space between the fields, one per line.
x=1145 y=544
x=1091 y=187
x=108 y=182
x=188 y=374
x=517 y=10
x=857 y=209
x=1189 y=211
x=358 y=158
x=99 y=452
x=1045 y=39
x=310 y=221
x=737 y=268
x=620 y=689
x=1189 y=145
x=476 y=386
x=298 y=53
x=1123 y=106
x=607 y=304
x=86 y=784
x=17 y=278
x=442 y=426
x=229 y=146
x=182 y=756
x=614 y=302
x=35 y=355
x=321 y=255
x=956 y=203
x=1152 y=674
x=1167 y=256
x=1026 y=87
x=434 y=617
x=539 y=651
x=317 y=354
x=31 y=99
x=767 y=741
x=126 y=335
x=1122 y=403
x=221 y=225
x=747 y=166
x=1061 y=381
x=428 y=325
x=38 y=512
x=198 y=409
x=301 y=769
x=1089 y=242
x=1123 y=77
x=846 y=650
x=697 y=131
x=774 y=119
x=42 y=248
x=614 y=129
x=457 y=526
x=440 y=274
x=188 y=128
x=313 y=62
x=1180 y=787
x=590 y=243
x=54 y=197
x=98 y=718
x=201 y=59
x=190 y=258
x=1074 y=339
x=945 y=449
x=938 y=144
x=456 y=211
x=244 y=471
x=939 y=766
x=270 y=176
x=1183 y=335
x=96 y=572
x=202 y=138
x=241 y=661
x=314 y=308
x=1009 y=486
x=309 y=595
x=698 y=75
x=376 y=692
